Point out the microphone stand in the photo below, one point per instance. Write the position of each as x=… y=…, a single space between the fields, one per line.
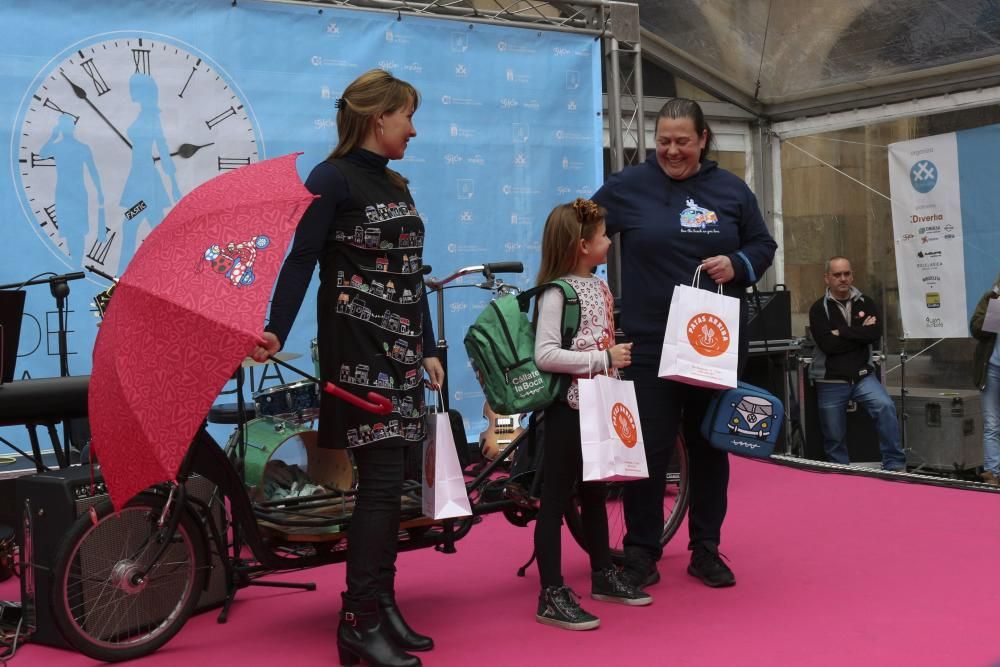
x=59 y=287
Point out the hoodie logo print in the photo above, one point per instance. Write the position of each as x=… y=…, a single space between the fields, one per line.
x=697 y=219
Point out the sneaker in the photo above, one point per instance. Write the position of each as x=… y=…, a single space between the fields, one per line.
x=640 y=568
x=559 y=606
x=989 y=477
x=707 y=565
x=610 y=585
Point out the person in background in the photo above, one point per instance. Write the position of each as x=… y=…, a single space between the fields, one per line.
x=573 y=243
x=673 y=213
x=986 y=367
x=363 y=229
x=845 y=325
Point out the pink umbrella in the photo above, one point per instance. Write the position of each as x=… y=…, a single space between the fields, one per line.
x=189 y=307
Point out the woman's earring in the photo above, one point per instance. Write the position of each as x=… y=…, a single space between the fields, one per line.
x=381 y=130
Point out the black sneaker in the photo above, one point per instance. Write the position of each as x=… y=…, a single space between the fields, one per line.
x=610 y=585
x=640 y=568
x=559 y=606
x=707 y=565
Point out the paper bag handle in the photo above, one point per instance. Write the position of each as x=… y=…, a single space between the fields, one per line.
x=697 y=279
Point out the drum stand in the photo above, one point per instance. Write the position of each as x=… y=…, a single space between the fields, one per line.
x=239 y=580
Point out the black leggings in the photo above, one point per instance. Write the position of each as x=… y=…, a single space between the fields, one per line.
x=372 y=536
x=562 y=467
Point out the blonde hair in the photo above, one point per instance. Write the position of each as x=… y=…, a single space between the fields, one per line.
x=565 y=226
x=373 y=93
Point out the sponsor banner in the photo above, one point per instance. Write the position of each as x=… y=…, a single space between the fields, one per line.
x=927 y=215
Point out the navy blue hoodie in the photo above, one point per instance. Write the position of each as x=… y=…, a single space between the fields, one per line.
x=667 y=228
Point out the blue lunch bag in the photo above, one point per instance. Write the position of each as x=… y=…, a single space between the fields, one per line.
x=746 y=420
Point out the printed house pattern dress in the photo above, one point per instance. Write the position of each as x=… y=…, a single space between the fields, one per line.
x=370 y=313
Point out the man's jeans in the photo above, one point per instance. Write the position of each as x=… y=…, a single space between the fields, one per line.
x=991 y=420
x=833 y=397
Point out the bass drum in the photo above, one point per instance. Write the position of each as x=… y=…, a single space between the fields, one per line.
x=282 y=458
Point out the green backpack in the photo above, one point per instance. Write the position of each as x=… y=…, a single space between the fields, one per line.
x=501 y=347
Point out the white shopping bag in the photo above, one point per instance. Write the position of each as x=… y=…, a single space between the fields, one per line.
x=701 y=343
x=444 y=494
x=610 y=432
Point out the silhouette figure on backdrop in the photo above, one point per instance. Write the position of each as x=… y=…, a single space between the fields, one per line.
x=72 y=157
x=144 y=196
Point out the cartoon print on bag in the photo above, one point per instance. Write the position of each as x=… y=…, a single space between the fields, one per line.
x=751 y=417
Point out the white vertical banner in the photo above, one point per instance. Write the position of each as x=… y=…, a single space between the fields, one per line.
x=927 y=227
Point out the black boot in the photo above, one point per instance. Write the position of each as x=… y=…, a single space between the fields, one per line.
x=397 y=628
x=361 y=637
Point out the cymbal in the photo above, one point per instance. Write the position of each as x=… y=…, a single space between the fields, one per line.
x=280 y=356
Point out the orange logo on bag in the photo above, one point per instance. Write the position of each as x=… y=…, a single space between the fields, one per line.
x=429 y=465
x=708 y=335
x=624 y=423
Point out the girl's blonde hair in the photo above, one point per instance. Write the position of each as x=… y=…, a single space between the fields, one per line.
x=373 y=93
x=565 y=226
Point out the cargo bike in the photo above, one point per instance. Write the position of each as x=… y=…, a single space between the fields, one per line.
x=124 y=583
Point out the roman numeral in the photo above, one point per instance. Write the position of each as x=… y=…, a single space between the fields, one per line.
x=50 y=213
x=95 y=76
x=141 y=59
x=49 y=104
x=193 y=70
x=221 y=117
x=99 y=251
x=39 y=161
x=232 y=162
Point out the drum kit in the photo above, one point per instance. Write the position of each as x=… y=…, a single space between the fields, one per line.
x=282 y=454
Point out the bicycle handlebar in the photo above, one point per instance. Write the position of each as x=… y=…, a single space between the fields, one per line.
x=486 y=269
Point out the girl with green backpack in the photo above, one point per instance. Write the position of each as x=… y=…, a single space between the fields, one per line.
x=573 y=243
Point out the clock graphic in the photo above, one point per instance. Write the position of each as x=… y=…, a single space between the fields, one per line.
x=113 y=132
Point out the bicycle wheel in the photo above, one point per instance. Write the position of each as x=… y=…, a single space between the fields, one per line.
x=98 y=604
x=675 y=504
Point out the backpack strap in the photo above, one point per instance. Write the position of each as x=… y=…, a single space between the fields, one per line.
x=571 y=307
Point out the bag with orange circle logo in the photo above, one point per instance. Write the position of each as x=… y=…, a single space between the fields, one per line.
x=701 y=343
x=610 y=432
x=443 y=492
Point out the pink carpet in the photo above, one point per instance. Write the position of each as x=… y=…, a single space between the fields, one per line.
x=831 y=570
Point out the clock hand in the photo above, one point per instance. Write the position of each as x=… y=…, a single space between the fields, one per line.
x=186 y=150
x=82 y=94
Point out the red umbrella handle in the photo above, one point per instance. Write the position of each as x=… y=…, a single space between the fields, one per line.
x=378 y=404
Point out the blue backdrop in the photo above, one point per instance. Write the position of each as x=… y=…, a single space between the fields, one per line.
x=112 y=111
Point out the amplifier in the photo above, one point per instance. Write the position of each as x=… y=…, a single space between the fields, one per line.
x=862 y=438
x=56 y=498
x=944 y=428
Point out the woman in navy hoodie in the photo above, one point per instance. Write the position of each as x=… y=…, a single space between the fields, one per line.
x=673 y=213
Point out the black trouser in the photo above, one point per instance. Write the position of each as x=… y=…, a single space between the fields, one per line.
x=562 y=467
x=663 y=407
x=372 y=536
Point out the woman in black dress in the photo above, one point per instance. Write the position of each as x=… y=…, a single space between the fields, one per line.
x=374 y=335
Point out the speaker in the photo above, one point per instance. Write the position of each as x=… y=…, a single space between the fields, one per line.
x=769 y=315
x=48 y=503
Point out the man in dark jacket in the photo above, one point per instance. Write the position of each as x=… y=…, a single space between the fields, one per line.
x=845 y=324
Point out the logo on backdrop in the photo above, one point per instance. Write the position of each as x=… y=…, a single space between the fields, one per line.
x=624 y=423
x=923 y=176
x=708 y=334
x=114 y=131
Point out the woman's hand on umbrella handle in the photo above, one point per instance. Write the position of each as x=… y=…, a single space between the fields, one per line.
x=266 y=347
x=435 y=371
